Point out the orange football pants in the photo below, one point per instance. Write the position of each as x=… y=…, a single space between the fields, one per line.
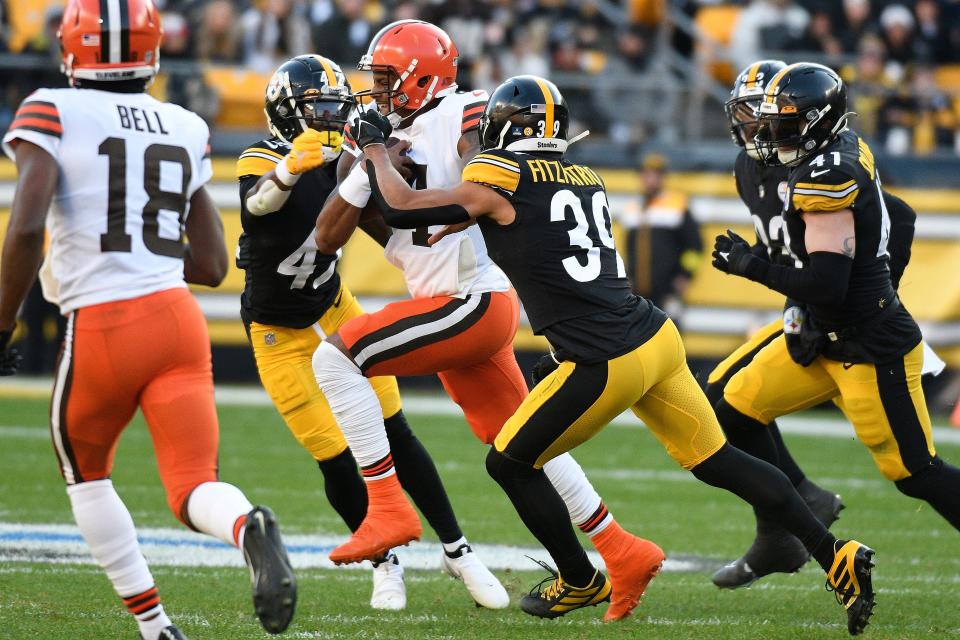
x=467 y=342
x=151 y=352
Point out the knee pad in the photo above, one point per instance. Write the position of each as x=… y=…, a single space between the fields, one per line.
x=923 y=483
x=503 y=469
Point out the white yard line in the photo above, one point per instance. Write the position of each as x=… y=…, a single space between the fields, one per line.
x=57 y=544
x=441 y=405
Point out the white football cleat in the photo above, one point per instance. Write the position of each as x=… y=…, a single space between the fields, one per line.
x=389 y=591
x=463 y=564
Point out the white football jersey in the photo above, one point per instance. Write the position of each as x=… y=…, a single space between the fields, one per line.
x=458 y=265
x=129 y=165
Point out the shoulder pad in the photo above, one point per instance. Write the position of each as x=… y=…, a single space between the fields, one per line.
x=495 y=168
x=824 y=188
x=260 y=158
x=38 y=112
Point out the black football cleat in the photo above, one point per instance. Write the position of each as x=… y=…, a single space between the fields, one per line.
x=274 y=585
x=170 y=633
x=774 y=550
x=850 y=581
x=560 y=598
x=826 y=505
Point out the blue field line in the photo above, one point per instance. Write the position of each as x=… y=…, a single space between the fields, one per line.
x=46 y=536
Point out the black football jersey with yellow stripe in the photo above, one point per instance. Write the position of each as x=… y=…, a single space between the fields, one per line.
x=764 y=189
x=844 y=176
x=288 y=282
x=560 y=256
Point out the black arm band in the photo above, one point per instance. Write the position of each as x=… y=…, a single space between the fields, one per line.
x=413 y=218
x=823 y=281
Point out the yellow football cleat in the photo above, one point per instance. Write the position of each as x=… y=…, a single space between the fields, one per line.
x=849 y=579
x=560 y=598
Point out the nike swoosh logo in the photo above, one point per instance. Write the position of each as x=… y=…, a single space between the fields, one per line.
x=847 y=365
x=814 y=174
x=336 y=302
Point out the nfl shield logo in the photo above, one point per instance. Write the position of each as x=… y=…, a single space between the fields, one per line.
x=270 y=339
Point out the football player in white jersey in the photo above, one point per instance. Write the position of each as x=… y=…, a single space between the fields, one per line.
x=125 y=176
x=459 y=324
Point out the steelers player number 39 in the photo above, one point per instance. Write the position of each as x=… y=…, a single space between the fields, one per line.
x=589 y=267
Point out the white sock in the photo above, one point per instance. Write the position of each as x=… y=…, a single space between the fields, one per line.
x=107 y=527
x=215 y=507
x=356 y=408
x=587 y=510
x=451 y=547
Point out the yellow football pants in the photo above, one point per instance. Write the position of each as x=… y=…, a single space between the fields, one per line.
x=285 y=361
x=884 y=402
x=576 y=401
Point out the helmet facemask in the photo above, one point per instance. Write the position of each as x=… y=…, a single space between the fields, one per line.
x=744 y=118
x=326 y=110
x=788 y=138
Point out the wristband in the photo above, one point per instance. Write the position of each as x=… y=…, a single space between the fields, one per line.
x=355 y=188
x=283 y=174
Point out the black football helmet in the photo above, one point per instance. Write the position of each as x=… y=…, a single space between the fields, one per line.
x=804 y=107
x=742 y=108
x=308 y=91
x=525 y=113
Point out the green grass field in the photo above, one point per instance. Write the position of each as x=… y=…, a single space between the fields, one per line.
x=918 y=573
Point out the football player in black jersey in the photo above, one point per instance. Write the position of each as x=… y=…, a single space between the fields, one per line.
x=293 y=298
x=546 y=222
x=762 y=186
x=856 y=343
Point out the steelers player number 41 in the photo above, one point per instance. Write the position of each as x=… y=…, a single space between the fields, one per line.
x=578 y=267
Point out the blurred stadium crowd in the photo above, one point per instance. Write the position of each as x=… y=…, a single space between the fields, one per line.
x=901 y=58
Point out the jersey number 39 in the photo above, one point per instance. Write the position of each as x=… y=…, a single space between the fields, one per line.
x=588 y=269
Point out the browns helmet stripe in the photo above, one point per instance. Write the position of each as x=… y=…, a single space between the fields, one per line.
x=104 y=32
x=124 y=6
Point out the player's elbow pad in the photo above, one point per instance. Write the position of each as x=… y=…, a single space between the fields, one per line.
x=267 y=198
x=824 y=281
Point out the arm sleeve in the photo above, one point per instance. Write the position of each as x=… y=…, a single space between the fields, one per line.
x=413 y=218
x=902 y=222
x=36 y=121
x=823 y=281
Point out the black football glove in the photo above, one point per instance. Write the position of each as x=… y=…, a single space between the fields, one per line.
x=371 y=128
x=9 y=358
x=543 y=367
x=732 y=254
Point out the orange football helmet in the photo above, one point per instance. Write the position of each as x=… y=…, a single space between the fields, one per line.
x=421 y=59
x=120 y=43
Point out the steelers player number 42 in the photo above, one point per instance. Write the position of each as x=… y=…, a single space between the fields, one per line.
x=116 y=238
x=588 y=268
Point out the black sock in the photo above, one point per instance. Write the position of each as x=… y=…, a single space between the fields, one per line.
x=345 y=489
x=939 y=485
x=418 y=476
x=770 y=493
x=785 y=461
x=544 y=513
x=747 y=434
